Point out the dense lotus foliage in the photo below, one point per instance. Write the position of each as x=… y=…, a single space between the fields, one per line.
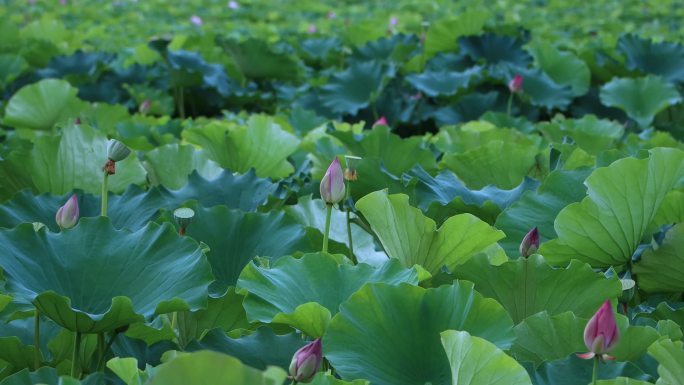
x=341 y=193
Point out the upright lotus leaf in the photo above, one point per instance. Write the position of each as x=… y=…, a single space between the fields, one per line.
x=395 y=331
x=539 y=208
x=665 y=59
x=297 y=292
x=262 y=144
x=211 y=368
x=641 y=98
x=170 y=165
x=255 y=59
x=574 y=370
x=312 y=213
x=235 y=238
x=671 y=211
x=662 y=270
x=495 y=49
x=444 y=83
x=606 y=227
x=563 y=67
x=11 y=67
x=527 y=286
x=476 y=361
x=413 y=238
x=245 y=192
x=591 y=134
x=670 y=357
x=398 y=48
x=49 y=376
x=328 y=379
x=542 y=90
x=259 y=350
x=354 y=88
x=443 y=33
x=114 y=278
x=461 y=138
x=543 y=337
x=16 y=354
x=499 y=163
x=41 y=105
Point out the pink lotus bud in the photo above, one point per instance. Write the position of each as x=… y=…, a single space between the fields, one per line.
x=516 y=84
x=332 y=185
x=331 y=15
x=530 y=243
x=393 y=22
x=67 y=215
x=63 y=2
x=312 y=28
x=381 y=122
x=196 y=20
x=601 y=333
x=145 y=106
x=306 y=361
x=233 y=5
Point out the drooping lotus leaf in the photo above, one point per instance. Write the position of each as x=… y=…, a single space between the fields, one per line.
x=170 y=165
x=665 y=59
x=245 y=192
x=476 y=361
x=262 y=145
x=495 y=49
x=573 y=370
x=41 y=105
x=114 y=278
x=591 y=134
x=670 y=357
x=235 y=238
x=447 y=83
x=294 y=288
x=395 y=331
x=641 y=98
x=606 y=227
x=543 y=337
x=527 y=286
x=354 y=88
x=563 y=67
x=539 y=208
x=662 y=269
x=211 y=368
x=259 y=350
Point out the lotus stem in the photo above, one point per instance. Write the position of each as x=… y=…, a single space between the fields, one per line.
x=36 y=339
x=101 y=361
x=510 y=104
x=352 y=257
x=595 y=372
x=103 y=209
x=75 y=356
x=327 y=228
x=100 y=349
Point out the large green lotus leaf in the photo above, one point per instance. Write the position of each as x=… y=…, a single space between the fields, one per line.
x=542 y=90
x=543 y=337
x=390 y=148
x=211 y=368
x=395 y=331
x=499 y=163
x=114 y=278
x=374 y=176
x=665 y=59
x=259 y=350
x=74 y=160
x=312 y=212
x=563 y=67
x=495 y=49
x=527 y=286
x=641 y=98
x=413 y=238
x=255 y=59
x=262 y=144
x=327 y=379
x=623 y=381
x=49 y=376
x=398 y=48
x=41 y=105
x=245 y=192
x=11 y=67
x=539 y=208
x=354 y=88
x=606 y=227
x=671 y=211
x=670 y=356
x=278 y=294
x=464 y=137
x=591 y=134
x=447 y=83
x=171 y=164
x=573 y=370
x=662 y=269
x=16 y=354
x=476 y=361
x=443 y=34
x=235 y=238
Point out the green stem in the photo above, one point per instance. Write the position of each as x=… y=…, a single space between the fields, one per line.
x=36 y=339
x=100 y=349
x=327 y=228
x=103 y=209
x=510 y=104
x=294 y=382
x=75 y=356
x=595 y=372
x=181 y=102
x=101 y=361
x=352 y=257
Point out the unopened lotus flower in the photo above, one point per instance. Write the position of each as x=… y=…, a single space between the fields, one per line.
x=530 y=243
x=67 y=215
x=233 y=4
x=145 y=106
x=516 y=84
x=312 y=28
x=306 y=361
x=332 y=186
x=601 y=333
x=381 y=122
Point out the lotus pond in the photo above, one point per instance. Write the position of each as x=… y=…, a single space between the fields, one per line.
x=343 y=192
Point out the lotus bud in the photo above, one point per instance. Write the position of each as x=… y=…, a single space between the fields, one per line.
x=196 y=20
x=381 y=122
x=332 y=186
x=145 y=106
x=530 y=243
x=312 y=28
x=306 y=361
x=183 y=217
x=116 y=150
x=67 y=215
x=233 y=4
x=352 y=164
x=601 y=333
x=516 y=84
x=331 y=15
